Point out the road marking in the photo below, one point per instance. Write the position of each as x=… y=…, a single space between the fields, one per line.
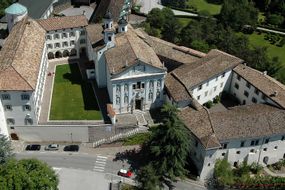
x=100 y=163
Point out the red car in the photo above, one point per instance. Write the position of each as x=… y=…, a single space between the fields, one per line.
x=125 y=173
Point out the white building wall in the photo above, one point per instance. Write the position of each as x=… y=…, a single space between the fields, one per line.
x=68 y=43
x=274 y=149
x=211 y=88
x=239 y=87
x=3 y=124
x=38 y=94
x=123 y=88
x=17 y=112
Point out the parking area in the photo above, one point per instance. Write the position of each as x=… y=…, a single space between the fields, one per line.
x=51 y=147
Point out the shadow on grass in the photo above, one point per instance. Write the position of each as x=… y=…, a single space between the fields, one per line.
x=89 y=99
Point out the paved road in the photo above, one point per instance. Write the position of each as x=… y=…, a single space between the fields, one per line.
x=95 y=163
x=268 y=30
x=147 y=5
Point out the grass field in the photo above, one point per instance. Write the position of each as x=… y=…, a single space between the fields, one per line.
x=201 y=5
x=73 y=98
x=273 y=50
x=184 y=21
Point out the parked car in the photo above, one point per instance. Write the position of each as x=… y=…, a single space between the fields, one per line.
x=71 y=148
x=52 y=147
x=125 y=173
x=33 y=147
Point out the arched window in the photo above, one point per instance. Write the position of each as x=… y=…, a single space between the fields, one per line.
x=65 y=53
x=50 y=55
x=58 y=54
x=150 y=96
x=126 y=99
x=73 y=52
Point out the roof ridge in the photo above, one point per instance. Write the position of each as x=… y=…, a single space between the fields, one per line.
x=22 y=77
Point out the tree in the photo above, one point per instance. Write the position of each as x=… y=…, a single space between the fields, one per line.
x=275 y=19
x=175 y=3
x=147 y=178
x=223 y=172
x=3 y=5
x=5 y=149
x=169 y=146
x=25 y=174
x=237 y=13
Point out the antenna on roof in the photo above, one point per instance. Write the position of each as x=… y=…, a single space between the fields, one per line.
x=126 y=63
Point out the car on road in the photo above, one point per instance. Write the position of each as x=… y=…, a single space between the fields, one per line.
x=33 y=147
x=71 y=148
x=125 y=173
x=52 y=147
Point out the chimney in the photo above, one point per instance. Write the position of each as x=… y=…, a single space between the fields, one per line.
x=264 y=72
x=126 y=63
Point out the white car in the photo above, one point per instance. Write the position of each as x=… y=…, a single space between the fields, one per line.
x=52 y=147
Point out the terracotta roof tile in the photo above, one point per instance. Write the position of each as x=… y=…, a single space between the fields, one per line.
x=214 y=63
x=264 y=83
x=133 y=49
x=58 y=23
x=21 y=56
x=94 y=32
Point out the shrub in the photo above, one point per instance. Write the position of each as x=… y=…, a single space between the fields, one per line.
x=255 y=168
x=217 y=99
x=209 y=104
x=223 y=172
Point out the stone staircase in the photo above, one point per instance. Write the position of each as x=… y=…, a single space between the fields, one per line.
x=140 y=118
x=120 y=136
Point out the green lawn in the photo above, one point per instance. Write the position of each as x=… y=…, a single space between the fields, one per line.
x=273 y=50
x=73 y=98
x=184 y=21
x=201 y=5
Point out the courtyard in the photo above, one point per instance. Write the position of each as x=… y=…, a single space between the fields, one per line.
x=72 y=97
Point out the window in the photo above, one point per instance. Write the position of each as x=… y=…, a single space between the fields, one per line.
x=253 y=100
x=8 y=108
x=10 y=121
x=158 y=83
x=26 y=107
x=126 y=87
x=48 y=37
x=83 y=41
x=252 y=150
x=138 y=85
x=256 y=91
x=223 y=75
x=57 y=45
x=56 y=36
x=265 y=149
x=252 y=143
x=25 y=97
x=151 y=84
x=118 y=89
x=118 y=100
x=64 y=44
x=247 y=85
x=158 y=94
x=49 y=46
x=150 y=96
x=256 y=142
x=224 y=145
x=72 y=42
x=82 y=32
x=242 y=143
x=64 y=35
x=217 y=78
x=6 y=97
x=245 y=93
x=236 y=86
x=134 y=86
x=109 y=38
x=142 y=85
x=223 y=154
x=238 y=152
x=126 y=99
x=263 y=97
x=221 y=84
x=266 y=141
x=238 y=77
x=206 y=93
x=215 y=88
x=282 y=138
x=276 y=147
x=28 y=121
x=200 y=87
x=198 y=97
x=71 y=34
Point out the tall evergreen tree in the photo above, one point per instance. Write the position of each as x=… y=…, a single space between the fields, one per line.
x=5 y=149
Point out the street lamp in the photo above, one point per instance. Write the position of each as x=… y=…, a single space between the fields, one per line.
x=71 y=137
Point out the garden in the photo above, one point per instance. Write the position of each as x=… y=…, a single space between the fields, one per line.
x=244 y=177
x=73 y=98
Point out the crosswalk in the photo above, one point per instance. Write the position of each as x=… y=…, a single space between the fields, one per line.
x=100 y=163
